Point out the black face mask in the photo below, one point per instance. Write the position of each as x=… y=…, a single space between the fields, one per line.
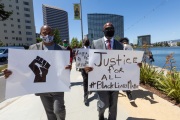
x=109 y=32
x=86 y=43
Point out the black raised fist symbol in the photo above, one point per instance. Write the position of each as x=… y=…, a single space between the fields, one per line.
x=40 y=67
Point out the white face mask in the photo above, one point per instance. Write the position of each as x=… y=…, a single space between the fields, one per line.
x=47 y=38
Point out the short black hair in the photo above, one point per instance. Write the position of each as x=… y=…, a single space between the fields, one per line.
x=124 y=40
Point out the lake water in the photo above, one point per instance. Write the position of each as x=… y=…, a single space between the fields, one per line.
x=160 y=54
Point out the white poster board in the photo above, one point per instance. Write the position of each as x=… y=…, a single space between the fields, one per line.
x=82 y=58
x=114 y=70
x=37 y=71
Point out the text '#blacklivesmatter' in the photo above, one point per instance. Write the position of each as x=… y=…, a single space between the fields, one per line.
x=113 y=85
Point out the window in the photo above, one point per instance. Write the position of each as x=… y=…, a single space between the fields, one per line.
x=17 y=13
x=16 y=1
x=6 y=37
x=20 y=38
x=5 y=31
x=11 y=18
x=29 y=39
x=12 y=31
x=26 y=9
x=17 y=7
x=4 y=24
x=26 y=3
x=13 y=38
x=28 y=33
x=16 y=38
x=28 y=27
x=20 y=32
x=18 y=20
x=12 y=25
x=27 y=21
x=19 y=26
x=27 y=15
x=10 y=5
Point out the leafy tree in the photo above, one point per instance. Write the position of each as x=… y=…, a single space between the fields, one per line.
x=80 y=44
x=178 y=43
x=57 y=38
x=1 y=43
x=38 y=40
x=117 y=37
x=4 y=15
x=74 y=43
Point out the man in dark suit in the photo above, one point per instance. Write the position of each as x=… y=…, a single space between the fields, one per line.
x=107 y=99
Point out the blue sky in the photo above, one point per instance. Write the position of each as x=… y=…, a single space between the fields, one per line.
x=159 y=18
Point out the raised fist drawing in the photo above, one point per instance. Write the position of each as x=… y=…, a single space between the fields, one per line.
x=40 y=67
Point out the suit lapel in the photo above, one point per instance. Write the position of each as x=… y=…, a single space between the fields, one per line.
x=103 y=43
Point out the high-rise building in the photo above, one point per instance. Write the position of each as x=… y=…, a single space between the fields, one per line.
x=57 y=19
x=144 y=40
x=96 y=22
x=19 y=28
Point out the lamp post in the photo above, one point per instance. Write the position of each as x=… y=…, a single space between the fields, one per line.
x=81 y=22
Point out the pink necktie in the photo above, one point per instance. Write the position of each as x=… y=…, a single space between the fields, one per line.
x=109 y=44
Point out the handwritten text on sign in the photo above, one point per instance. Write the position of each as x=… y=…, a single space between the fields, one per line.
x=114 y=70
x=82 y=58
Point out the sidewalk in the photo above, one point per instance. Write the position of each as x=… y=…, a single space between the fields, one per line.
x=147 y=106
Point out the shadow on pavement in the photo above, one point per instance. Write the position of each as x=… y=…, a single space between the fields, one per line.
x=144 y=95
x=91 y=99
x=132 y=118
x=76 y=83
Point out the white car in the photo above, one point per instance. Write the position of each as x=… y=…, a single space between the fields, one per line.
x=4 y=52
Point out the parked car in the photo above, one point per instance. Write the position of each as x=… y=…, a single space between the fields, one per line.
x=4 y=52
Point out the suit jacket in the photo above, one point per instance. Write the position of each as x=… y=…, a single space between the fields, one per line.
x=39 y=46
x=100 y=44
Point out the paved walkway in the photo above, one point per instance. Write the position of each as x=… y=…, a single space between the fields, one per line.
x=147 y=106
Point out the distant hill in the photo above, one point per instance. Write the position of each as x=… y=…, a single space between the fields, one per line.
x=178 y=40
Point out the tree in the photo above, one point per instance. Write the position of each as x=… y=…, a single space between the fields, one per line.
x=57 y=38
x=4 y=15
x=1 y=43
x=38 y=40
x=74 y=43
x=178 y=43
x=80 y=44
x=117 y=37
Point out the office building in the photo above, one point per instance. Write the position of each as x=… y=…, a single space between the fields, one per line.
x=144 y=40
x=96 y=22
x=57 y=19
x=19 y=28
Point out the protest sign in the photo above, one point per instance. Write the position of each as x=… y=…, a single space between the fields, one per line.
x=82 y=58
x=114 y=70
x=37 y=71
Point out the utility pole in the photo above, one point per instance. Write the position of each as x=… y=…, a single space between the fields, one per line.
x=81 y=22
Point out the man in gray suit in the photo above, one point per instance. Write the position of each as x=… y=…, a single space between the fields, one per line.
x=53 y=102
x=107 y=99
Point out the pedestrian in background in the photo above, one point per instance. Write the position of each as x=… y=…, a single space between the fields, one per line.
x=86 y=44
x=125 y=42
x=67 y=47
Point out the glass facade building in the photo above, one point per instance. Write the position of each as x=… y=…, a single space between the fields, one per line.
x=145 y=39
x=96 y=22
x=57 y=19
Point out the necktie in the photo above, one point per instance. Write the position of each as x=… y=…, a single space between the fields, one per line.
x=109 y=44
